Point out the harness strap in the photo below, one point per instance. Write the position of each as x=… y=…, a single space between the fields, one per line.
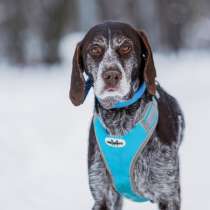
x=150 y=116
x=120 y=152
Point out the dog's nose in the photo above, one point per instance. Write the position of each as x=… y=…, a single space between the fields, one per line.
x=112 y=77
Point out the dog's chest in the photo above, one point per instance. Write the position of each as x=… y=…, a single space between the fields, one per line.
x=154 y=169
x=121 y=152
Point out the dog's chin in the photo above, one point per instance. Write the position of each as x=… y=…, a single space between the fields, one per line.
x=109 y=101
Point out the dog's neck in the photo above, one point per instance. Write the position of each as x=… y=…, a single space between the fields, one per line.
x=119 y=121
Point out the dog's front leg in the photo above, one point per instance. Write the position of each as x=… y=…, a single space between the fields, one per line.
x=106 y=198
x=170 y=205
x=174 y=203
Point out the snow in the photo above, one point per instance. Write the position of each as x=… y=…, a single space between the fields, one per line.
x=43 y=137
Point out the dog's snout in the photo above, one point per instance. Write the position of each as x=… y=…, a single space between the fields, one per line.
x=112 y=77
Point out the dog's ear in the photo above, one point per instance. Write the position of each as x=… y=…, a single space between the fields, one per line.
x=149 y=67
x=77 y=87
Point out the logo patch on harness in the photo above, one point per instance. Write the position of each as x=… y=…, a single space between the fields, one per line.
x=113 y=142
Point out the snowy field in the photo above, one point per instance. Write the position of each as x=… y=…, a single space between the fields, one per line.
x=43 y=138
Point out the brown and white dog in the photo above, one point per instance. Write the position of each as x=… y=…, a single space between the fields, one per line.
x=119 y=59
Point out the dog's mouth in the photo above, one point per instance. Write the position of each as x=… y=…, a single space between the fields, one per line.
x=115 y=89
x=111 y=89
x=111 y=93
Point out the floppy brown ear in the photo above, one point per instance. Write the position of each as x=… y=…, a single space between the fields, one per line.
x=149 y=67
x=77 y=87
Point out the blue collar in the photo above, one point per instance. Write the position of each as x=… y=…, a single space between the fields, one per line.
x=137 y=95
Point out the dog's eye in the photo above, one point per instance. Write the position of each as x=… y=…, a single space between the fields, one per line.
x=96 y=51
x=125 y=49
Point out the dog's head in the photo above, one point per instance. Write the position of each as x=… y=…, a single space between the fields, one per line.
x=118 y=58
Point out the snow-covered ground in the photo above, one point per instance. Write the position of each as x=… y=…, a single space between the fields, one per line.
x=43 y=137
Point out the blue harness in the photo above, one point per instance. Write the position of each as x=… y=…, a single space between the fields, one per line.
x=120 y=152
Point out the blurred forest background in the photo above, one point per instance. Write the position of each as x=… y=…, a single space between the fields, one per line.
x=31 y=30
x=43 y=137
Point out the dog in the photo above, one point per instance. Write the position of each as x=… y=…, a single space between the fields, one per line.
x=118 y=60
